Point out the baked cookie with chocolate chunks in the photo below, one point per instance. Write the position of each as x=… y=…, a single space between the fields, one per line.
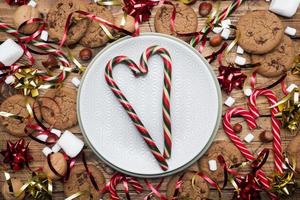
x=259 y=32
x=16 y=105
x=95 y=36
x=185 y=20
x=230 y=153
x=58 y=107
x=80 y=181
x=278 y=61
x=57 y=18
x=186 y=191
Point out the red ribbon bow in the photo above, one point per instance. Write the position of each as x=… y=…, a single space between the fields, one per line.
x=17 y=2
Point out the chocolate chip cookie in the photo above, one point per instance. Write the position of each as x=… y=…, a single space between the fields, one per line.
x=185 y=20
x=278 y=61
x=57 y=18
x=230 y=153
x=186 y=190
x=95 y=36
x=58 y=107
x=79 y=181
x=259 y=32
x=16 y=104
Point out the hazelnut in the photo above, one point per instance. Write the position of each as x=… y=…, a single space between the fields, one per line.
x=129 y=22
x=266 y=136
x=85 y=54
x=237 y=128
x=215 y=40
x=59 y=164
x=205 y=8
x=16 y=184
x=50 y=62
x=23 y=14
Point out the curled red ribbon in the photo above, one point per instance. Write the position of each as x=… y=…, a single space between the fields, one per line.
x=17 y=2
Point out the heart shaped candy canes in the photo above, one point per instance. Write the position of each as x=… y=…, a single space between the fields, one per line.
x=278 y=159
x=142 y=69
x=237 y=141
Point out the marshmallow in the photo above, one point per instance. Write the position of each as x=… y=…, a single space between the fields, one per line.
x=71 y=144
x=56 y=132
x=290 y=31
x=217 y=30
x=10 y=52
x=226 y=23
x=212 y=165
x=249 y=138
x=248 y=92
x=47 y=151
x=240 y=60
x=32 y=3
x=229 y=101
x=9 y=80
x=225 y=33
x=42 y=137
x=239 y=50
x=76 y=81
x=56 y=148
x=284 y=166
x=44 y=35
x=291 y=87
x=286 y=8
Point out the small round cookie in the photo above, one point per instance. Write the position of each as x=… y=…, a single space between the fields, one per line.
x=80 y=181
x=294 y=151
x=185 y=20
x=58 y=107
x=57 y=18
x=129 y=22
x=95 y=36
x=230 y=153
x=16 y=104
x=259 y=32
x=278 y=61
x=16 y=186
x=186 y=191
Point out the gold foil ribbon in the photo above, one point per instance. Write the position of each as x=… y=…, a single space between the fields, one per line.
x=109 y=2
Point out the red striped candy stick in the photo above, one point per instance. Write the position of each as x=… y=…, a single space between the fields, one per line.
x=276 y=124
x=127 y=106
x=166 y=92
x=237 y=141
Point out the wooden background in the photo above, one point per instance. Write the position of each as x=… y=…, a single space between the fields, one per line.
x=264 y=121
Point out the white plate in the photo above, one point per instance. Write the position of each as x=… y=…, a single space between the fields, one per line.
x=195 y=106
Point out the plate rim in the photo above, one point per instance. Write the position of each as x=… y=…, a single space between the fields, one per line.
x=163 y=173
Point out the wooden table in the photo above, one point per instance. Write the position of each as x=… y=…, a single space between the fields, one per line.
x=263 y=122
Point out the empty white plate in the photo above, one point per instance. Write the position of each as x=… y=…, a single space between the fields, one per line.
x=195 y=106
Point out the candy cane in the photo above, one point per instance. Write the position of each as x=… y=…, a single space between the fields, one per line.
x=237 y=141
x=141 y=70
x=276 y=124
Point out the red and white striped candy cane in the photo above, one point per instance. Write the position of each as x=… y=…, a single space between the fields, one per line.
x=237 y=141
x=276 y=124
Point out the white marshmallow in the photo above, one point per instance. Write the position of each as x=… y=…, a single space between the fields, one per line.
x=56 y=132
x=248 y=92
x=10 y=52
x=217 y=30
x=286 y=8
x=42 y=137
x=284 y=166
x=47 y=151
x=44 y=35
x=240 y=60
x=212 y=165
x=290 y=31
x=291 y=87
x=225 y=33
x=76 y=81
x=249 y=138
x=239 y=50
x=226 y=23
x=229 y=101
x=71 y=144
x=9 y=80
x=56 y=148
x=32 y=3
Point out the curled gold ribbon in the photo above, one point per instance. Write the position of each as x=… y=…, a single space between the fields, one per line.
x=109 y=2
